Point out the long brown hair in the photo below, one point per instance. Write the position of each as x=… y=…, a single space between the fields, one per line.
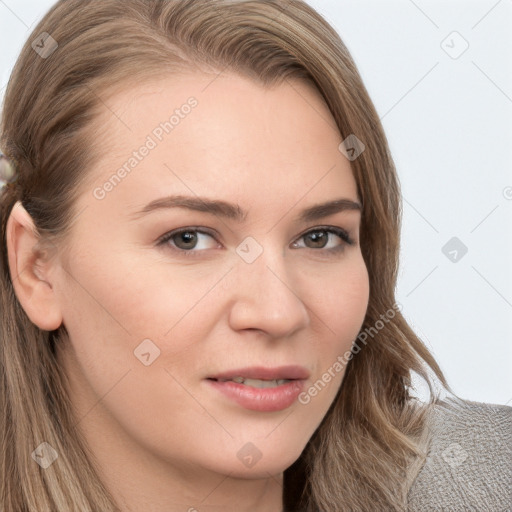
x=358 y=458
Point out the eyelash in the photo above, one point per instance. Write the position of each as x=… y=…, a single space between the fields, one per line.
x=345 y=237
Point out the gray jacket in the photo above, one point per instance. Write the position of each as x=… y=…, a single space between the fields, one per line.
x=469 y=460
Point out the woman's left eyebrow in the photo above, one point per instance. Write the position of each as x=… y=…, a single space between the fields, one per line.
x=320 y=211
x=234 y=212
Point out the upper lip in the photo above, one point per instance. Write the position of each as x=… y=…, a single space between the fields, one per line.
x=290 y=372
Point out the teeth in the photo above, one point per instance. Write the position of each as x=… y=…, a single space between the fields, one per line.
x=259 y=383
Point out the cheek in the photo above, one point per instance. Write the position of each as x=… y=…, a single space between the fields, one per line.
x=133 y=295
x=126 y=302
x=342 y=309
x=345 y=301
x=108 y=316
x=344 y=306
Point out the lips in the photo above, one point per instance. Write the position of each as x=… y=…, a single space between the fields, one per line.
x=259 y=388
x=290 y=372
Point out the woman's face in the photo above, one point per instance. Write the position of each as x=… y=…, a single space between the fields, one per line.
x=254 y=279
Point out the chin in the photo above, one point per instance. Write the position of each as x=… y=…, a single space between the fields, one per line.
x=263 y=457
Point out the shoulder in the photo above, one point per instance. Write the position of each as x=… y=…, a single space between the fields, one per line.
x=469 y=459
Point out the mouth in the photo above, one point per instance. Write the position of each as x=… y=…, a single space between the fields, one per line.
x=261 y=389
x=263 y=377
x=255 y=383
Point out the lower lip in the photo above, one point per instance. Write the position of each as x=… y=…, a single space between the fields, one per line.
x=260 y=399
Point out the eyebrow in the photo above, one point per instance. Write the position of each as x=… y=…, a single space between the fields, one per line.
x=234 y=212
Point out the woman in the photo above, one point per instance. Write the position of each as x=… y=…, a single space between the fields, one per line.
x=200 y=230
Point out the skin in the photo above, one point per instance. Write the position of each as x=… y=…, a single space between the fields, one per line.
x=163 y=439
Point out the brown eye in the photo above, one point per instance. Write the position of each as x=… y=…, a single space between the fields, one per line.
x=185 y=240
x=319 y=239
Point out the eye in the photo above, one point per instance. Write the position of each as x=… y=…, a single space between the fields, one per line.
x=320 y=237
x=186 y=239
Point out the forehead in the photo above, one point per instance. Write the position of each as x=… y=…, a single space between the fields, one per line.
x=220 y=132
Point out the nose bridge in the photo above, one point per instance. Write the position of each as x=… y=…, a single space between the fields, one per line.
x=264 y=297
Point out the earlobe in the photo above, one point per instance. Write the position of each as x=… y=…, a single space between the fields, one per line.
x=30 y=271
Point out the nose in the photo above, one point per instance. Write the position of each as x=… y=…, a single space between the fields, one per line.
x=264 y=298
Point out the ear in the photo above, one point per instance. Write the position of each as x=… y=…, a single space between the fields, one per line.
x=30 y=271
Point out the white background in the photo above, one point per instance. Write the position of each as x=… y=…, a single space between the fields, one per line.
x=449 y=125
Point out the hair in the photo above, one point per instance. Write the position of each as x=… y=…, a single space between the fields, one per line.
x=359 y=456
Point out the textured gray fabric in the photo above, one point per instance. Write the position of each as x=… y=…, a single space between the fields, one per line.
x=469 y=460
